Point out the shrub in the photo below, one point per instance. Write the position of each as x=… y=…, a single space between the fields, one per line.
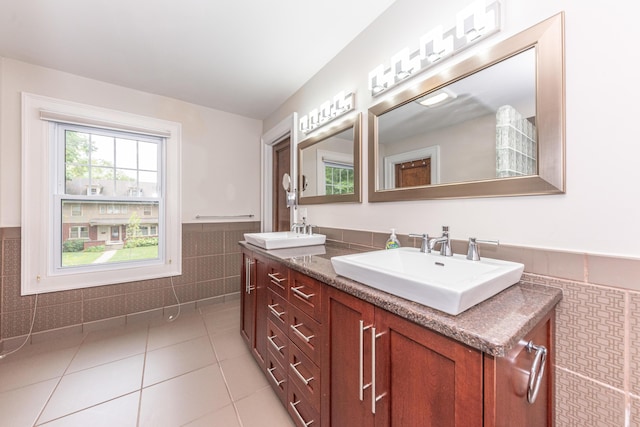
x=73 y=246
x=99 y=248
x=141 y=241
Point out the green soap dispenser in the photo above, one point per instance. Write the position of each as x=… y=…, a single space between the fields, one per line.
x=392 y=241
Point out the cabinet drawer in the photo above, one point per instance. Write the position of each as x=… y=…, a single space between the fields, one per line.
x=277 y=377
x=305 y=375
x=299 y=408
x=277 y=342
x=278 y=278
x=277 y=308
x=306 y=333
x=306 y=294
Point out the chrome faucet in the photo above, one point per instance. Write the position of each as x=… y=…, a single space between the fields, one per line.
x=445 y=242
x=298 y=227
x=472 y=253
x=424 y=247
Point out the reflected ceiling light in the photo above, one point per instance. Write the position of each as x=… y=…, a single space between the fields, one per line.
x=437 y=97
x=473 y=23
x=329 y=110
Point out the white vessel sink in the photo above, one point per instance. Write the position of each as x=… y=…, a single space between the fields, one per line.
x=284 y=239
x=450 y=284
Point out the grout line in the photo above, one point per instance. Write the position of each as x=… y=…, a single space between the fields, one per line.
x=59 y=381
x=144 y=366
x=627 y=359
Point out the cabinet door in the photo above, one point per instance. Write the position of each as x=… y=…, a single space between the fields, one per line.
x=261 y=269
x=509 y=399
x=346 y=367
x=423 y=378
x=248 y=300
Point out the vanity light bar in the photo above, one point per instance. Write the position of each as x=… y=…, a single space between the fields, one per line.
x=473 y=23
x=328 y=111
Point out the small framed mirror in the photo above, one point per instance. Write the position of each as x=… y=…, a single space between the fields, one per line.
x=491 y=125
x=329 y=165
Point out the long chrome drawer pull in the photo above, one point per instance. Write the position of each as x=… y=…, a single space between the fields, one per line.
x=272 y=307
x=300 y=334
x=273 y=377
x=273 y=343
x=274 y=276
x=374 y=398
x=537 y=370
x=306 y=381
x=301 y=294
x=362 y=387
x=293 y=406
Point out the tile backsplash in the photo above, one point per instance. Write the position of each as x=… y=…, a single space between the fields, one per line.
x=597 y=321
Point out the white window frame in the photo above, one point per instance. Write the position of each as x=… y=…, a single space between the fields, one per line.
x=39 y=267
x=79 y=229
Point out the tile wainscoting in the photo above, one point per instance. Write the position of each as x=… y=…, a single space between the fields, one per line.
x=211 y=264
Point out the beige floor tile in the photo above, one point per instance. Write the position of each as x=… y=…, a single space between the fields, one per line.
x=183 y=399
x=121 y=412
x=171 y=361
x=243 y=376
x=106 y=346
x=16 y=373
x=263 y=409
x=225 y=417
x=229 y=344
x=92 y=386
x=44 y=346
x=223 y=321
x=22 y=406
x=185 y=328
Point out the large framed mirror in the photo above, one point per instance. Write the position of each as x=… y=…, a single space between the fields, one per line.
x=491 y=125
x=329 y=165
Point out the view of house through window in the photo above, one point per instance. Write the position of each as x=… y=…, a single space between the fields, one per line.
x=110 y=201
x=338 y=179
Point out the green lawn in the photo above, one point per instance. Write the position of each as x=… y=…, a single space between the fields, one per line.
x=79 y=258
x=145 y=252
x=83 y=258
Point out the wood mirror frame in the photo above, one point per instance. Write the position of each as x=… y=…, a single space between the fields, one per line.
x=356 y=196
x=547 y=38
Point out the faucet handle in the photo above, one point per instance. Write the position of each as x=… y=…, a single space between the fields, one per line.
x=424 y=247
x=310 y=228
x=473 y=254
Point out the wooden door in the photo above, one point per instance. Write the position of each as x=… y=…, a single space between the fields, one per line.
x=424 y=378
x=414 y=173
x=281 y=165
x=346 y=360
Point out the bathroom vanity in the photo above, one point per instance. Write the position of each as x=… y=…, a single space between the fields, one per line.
x=338 y=352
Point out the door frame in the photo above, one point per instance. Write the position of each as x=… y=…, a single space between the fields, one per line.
x=286 y=128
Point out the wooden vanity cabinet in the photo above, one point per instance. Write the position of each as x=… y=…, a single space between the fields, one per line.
x=383 y=370
x=335 y=360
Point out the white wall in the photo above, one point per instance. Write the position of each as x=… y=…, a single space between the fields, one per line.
x=600 y=213
x=220 y=151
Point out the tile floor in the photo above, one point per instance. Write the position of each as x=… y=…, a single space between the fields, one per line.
x=194 y=371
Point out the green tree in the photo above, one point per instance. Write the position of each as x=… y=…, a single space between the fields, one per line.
x=134 y=235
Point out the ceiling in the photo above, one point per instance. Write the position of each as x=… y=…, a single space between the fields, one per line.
x=241 y=56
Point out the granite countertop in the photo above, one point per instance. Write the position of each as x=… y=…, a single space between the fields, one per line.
x=493 y=326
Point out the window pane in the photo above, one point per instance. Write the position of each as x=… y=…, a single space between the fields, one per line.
x=126 y=153
x=149 y=183
x=106 y=233
x=148 y=156
x=126 y=182
x=101 y=150
x=76 y=147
